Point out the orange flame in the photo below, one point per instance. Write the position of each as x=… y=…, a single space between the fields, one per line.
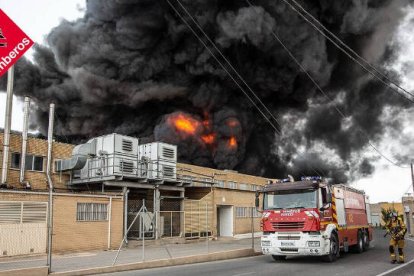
x=209 y=138
x=186 y=124
x=233 y=142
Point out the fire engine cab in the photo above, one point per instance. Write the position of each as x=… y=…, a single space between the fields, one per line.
x=313 y=218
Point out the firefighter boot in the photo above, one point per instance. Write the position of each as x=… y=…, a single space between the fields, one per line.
x=392 y=252
x=400 y=256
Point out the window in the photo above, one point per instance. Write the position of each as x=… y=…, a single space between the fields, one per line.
x=220 y=183
x=256 y=214
x=92 y=212
x=33 y=163
x=15 y=160
x=241 y=212
x=231 y=185
x=290 y=199
x=246 y=212
x=244 y=186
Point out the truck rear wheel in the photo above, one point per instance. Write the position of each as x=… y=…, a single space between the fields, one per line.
x=333 y=249
x=359 y=247
x=278 y=258
x=366 y=240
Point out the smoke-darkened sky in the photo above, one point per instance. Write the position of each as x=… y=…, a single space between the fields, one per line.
x=133 y=66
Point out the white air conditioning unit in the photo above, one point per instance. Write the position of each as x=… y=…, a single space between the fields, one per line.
x=161 y=159
x=159 y=151
x=115 y=155
x=162 y=170
x=117 y=144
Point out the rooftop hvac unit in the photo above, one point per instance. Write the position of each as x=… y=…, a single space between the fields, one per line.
x=117 y=144
x=158 y=151
x=117 y=155
x=162 y=160
x=162 y=170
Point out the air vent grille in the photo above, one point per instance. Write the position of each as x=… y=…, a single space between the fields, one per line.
x=168 y=153
x=168 y=171
x=126 y=167
x=22 y=212
x=126 y=145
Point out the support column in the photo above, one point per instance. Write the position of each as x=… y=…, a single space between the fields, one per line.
x=157 y=210
x=182 y=214
x=125 y=191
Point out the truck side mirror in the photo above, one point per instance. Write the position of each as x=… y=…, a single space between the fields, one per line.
x=257 y=200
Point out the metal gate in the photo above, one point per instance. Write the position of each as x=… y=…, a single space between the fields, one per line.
x=198 y=218
x=145 y=223
x=23 y=228
x=170 y=218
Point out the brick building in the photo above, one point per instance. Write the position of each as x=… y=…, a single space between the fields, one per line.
x=23 y=206
x=230 y=196
x=202 y=201
x=375 y=209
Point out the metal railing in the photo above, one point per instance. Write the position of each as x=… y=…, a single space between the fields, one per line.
x=124 y=166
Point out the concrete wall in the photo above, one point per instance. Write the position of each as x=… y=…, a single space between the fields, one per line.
x=37 y=147
x=70 y=235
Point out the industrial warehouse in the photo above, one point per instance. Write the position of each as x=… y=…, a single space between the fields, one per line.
x=100 y=188
x=206 y=137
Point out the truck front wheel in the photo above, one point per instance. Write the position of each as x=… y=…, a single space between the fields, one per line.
x=278 y=258
x=333 y=249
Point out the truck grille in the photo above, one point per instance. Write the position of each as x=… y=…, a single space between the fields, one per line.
x=288 y=225
x=291 y=238
x=287 y=249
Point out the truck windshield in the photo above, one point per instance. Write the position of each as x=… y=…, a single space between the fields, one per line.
x=290 y=199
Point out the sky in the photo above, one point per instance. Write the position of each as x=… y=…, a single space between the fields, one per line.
x=388 y=183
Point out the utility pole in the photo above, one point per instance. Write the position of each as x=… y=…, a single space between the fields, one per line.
x=412 y=176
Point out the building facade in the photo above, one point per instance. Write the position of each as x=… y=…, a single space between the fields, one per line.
x=375 y=208
x=199 y=202
x=81 y=221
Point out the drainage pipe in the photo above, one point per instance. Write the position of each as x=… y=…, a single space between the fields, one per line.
x=7 y=125
x=50 y=182
x=24 y=141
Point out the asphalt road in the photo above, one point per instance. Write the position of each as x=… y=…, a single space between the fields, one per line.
x=373 y=262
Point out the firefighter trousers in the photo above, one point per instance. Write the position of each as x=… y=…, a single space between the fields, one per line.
x=400 y=244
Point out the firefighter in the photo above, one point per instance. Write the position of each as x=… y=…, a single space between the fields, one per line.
x=396 y=229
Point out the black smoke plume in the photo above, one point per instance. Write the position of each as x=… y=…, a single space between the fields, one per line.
x=128 y=66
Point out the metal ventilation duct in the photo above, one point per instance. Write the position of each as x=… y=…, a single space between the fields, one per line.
x=79 y=157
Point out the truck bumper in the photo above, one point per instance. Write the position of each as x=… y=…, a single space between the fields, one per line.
x=295 y=244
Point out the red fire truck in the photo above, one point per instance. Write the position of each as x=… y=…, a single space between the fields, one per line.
x=311 y=217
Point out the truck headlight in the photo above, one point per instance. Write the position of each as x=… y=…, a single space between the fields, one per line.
x=314 y=244
x=266 y=243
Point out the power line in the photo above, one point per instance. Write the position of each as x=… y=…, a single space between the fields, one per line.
x=225 y=69
x=338 y=40
x=326 y=95
x=228 y=62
